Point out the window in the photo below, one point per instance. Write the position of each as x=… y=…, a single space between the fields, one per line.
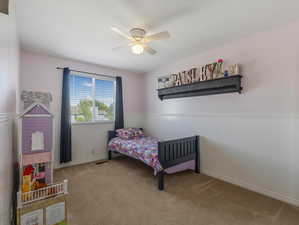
x=92 y=99
x=37 y=142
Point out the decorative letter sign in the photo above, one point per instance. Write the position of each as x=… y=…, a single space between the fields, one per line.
x=207 y=72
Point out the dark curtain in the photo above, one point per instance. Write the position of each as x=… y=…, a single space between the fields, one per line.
x=66 y=126
x=119 y=109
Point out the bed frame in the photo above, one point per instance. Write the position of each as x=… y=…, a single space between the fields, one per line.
x=171 y=153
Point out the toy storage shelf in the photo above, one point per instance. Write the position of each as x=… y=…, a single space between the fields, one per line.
x=209 y=87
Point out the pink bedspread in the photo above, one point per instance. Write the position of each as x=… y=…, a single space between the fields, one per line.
x=146 y=150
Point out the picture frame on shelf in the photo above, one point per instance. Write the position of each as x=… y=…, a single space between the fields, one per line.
x=163 y=82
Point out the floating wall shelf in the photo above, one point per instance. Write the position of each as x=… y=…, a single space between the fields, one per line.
x=209 y=87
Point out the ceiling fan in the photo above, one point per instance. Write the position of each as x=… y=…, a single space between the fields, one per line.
x=139 y=40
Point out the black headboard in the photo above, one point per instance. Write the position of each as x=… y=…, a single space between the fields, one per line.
x=112 y=134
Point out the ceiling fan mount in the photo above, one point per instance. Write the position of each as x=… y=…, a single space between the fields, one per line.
x=139 y=40
x=138 y=33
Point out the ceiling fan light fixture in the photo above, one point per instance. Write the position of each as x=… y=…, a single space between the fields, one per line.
x=139 y=40
x=137 y=49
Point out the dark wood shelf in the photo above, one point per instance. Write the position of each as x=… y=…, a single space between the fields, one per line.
x=209 y=87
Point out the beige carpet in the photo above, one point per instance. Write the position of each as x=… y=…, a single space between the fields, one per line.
x=124 y=192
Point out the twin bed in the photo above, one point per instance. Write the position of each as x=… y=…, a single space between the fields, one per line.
x=163 y=156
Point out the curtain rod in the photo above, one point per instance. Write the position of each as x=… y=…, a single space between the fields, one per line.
x=78 y=71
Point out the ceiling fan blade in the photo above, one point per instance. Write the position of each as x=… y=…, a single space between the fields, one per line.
x=149 y=50
x=158 y=36
x=120 y=33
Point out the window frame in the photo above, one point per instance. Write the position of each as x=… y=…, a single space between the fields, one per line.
x=93 y=91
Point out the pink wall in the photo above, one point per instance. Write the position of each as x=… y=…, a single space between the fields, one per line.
x=38 y=73
x=248 y=139
x=269 y=63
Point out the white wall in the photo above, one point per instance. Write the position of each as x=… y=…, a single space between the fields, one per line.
x=8 y=86
x=249 y=139
x=38 y=73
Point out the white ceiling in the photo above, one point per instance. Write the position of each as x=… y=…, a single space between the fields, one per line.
x=80 y=29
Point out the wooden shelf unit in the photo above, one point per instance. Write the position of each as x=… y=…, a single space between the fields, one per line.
x=209 y=87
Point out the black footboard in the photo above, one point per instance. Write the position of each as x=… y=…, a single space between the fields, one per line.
x=177 y=151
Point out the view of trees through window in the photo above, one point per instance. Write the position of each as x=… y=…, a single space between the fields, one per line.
x=92 y=99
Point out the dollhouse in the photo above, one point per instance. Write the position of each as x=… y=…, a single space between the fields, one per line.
x=36 y=156
x=36 y=127
x=40 y=201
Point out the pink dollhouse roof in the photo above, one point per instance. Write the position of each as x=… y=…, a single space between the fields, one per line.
x=36 y=109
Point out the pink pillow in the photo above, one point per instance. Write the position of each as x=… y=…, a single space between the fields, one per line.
x=129 y=133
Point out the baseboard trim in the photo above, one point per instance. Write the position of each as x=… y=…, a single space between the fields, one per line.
x=252 y=187
x=72 y=164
